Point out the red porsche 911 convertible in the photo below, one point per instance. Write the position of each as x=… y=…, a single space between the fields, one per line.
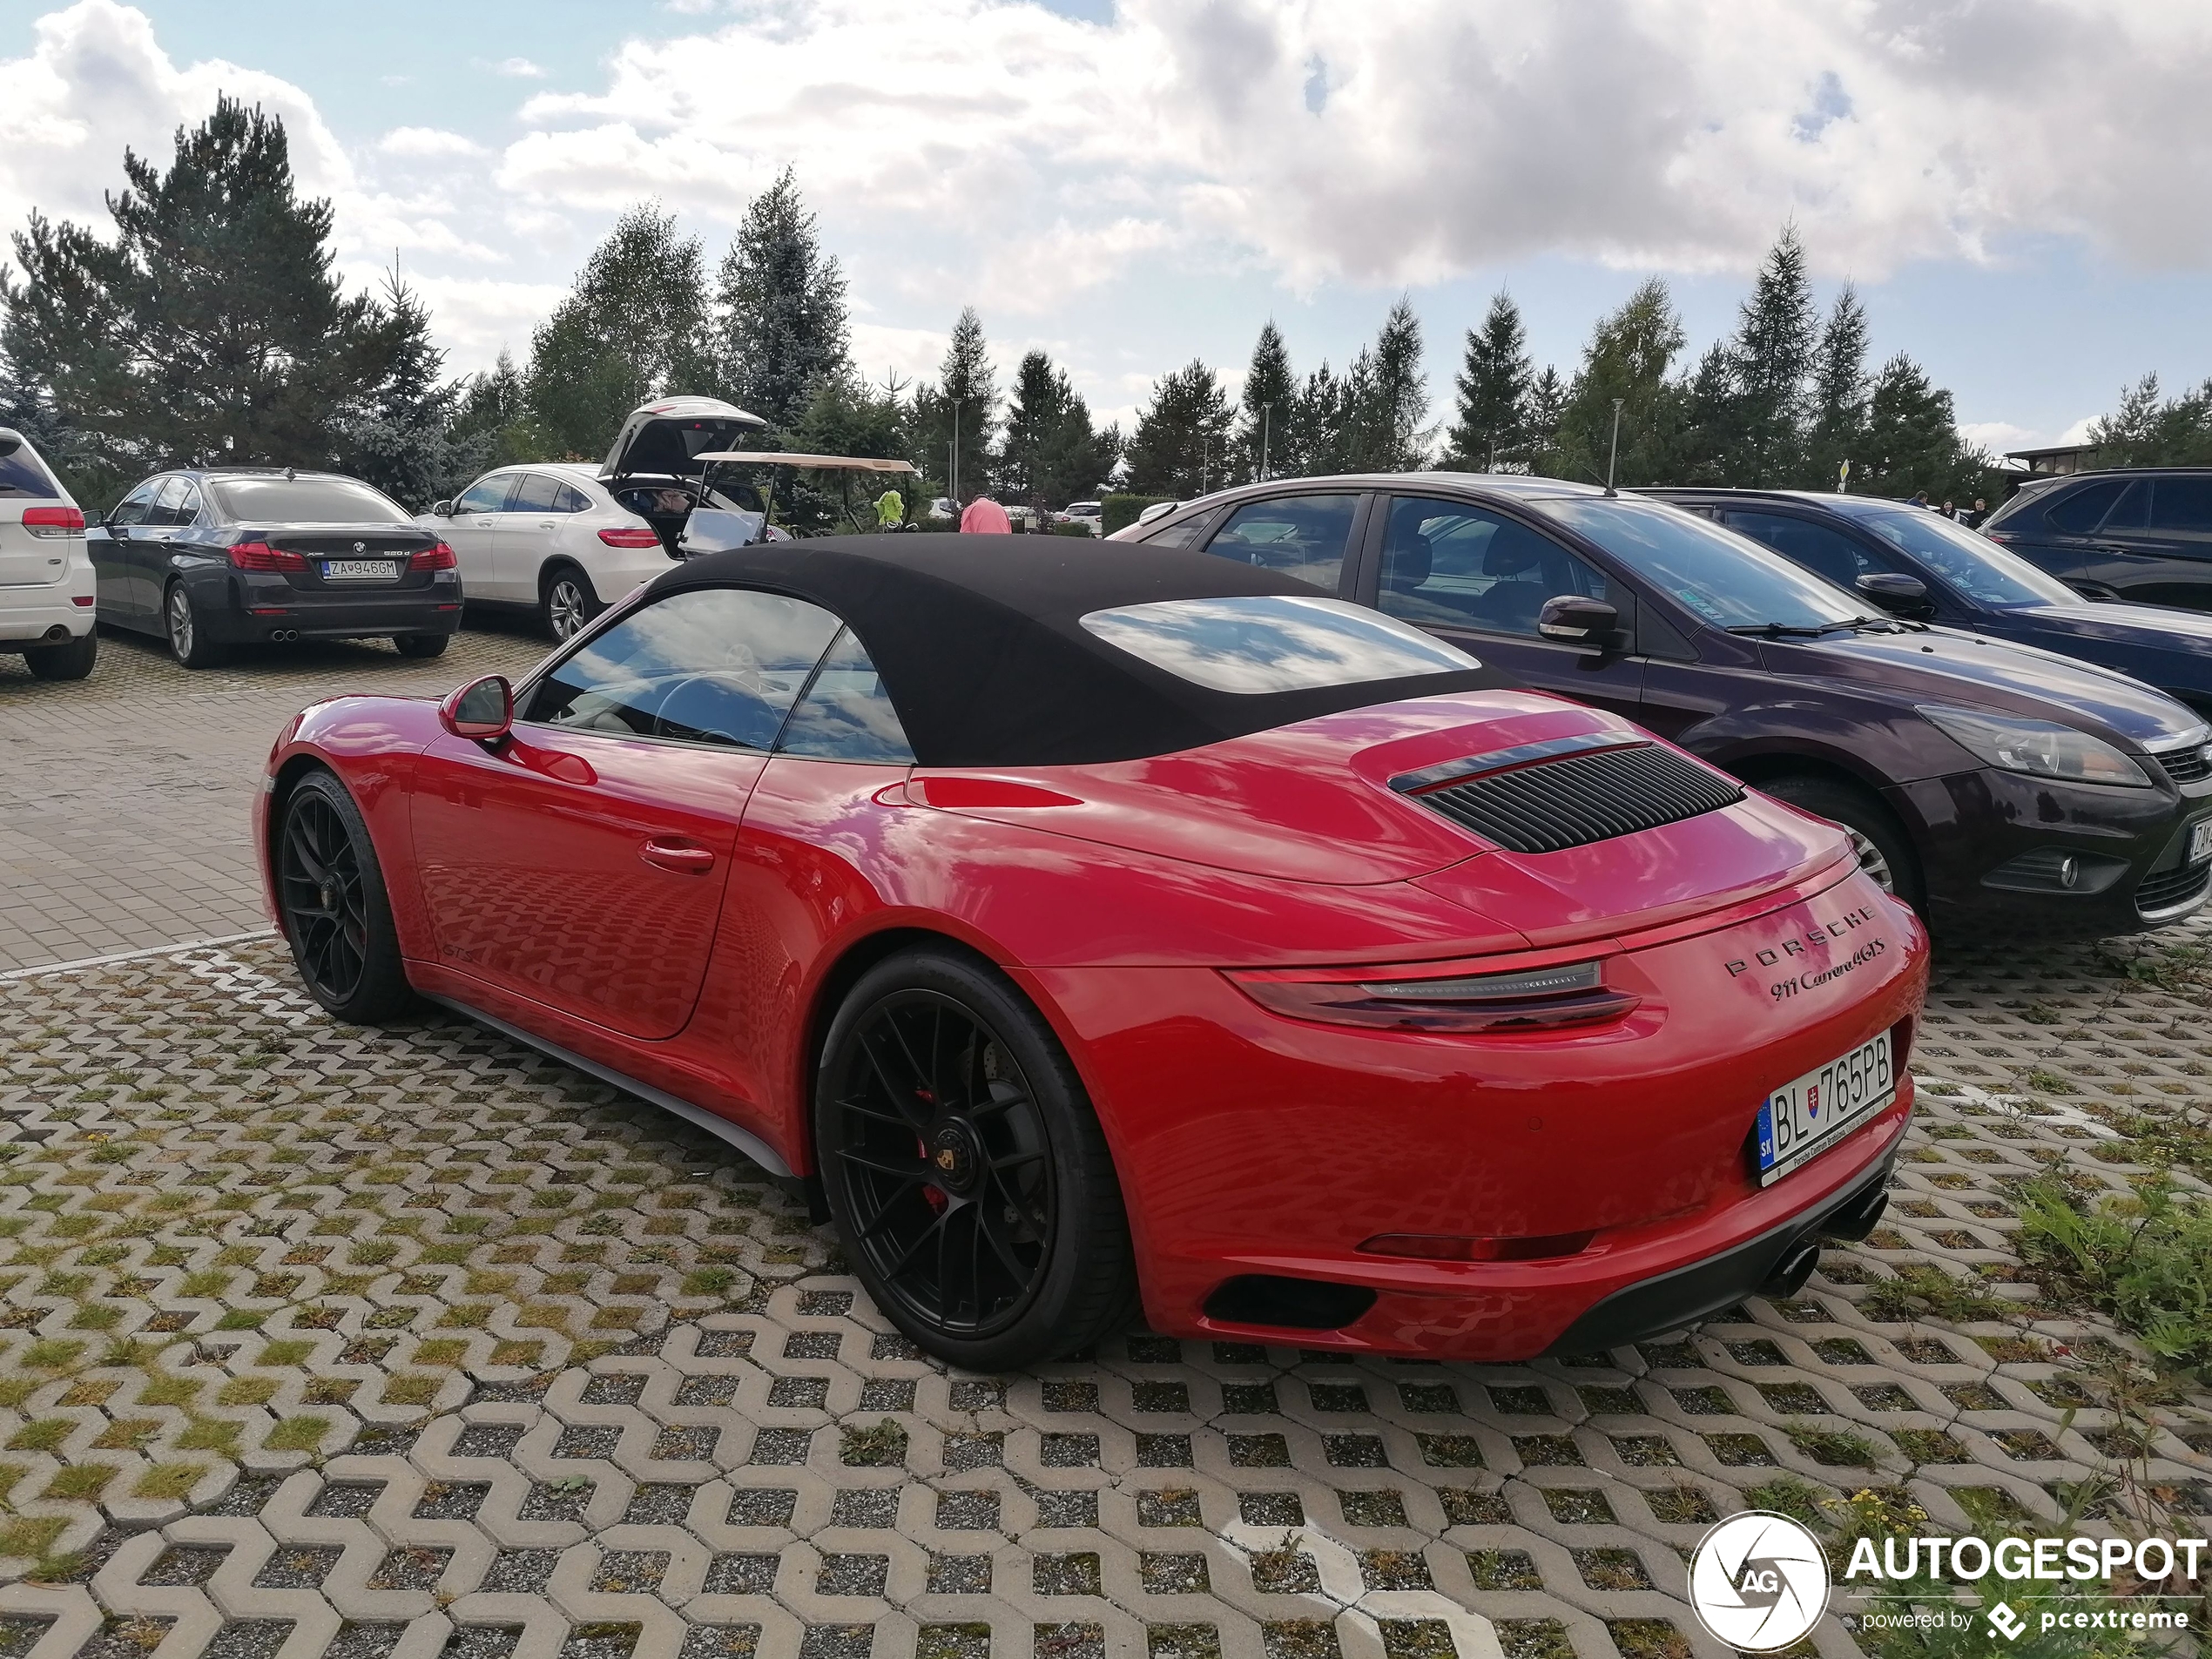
x=1083 y=921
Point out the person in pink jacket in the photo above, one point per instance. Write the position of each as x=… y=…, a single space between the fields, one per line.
x=985 y=517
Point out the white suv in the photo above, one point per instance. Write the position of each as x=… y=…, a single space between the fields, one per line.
x=46 y=590
x=567 y=539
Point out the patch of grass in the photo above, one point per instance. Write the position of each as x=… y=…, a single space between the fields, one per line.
x=1922 y=1290
x=246 y=1391
x=289 y=1351
x=30 y=1537
x=1787 y=1495
x=81 y=1482
x=172 y=1480
x=412 y=1388
x=209 y=1434
x=298 y=1434
x=44 y=1435
x=2143 y=1258
x=1836 y=1448
x=883 y=1445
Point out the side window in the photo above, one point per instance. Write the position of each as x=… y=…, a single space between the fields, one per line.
x=131 y=510
x=168 y=506
x=1827 y=553
x=2080 y=512
x=2183 y=504
x=2134 y=512
x=714 y=666
x=847 y=714
x=486 y=495
x=1296 y=535
x=534 y=494
x=1450 y=564
x=187 y=510
x=1178 y=534
x=567 y=498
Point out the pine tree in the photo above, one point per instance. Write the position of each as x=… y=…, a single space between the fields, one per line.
x=1773 y=356
x=1386 y=400
x=2150 y=430
x=965 y=400
x=1049 y=455
x=632 y=328
x=1547 y=404
x=1913 y=440
x=779 y=326
x=1629 y=355
x=1265 y=404
x=1494 y=381
x=209 y=326
x=400 y=440
x=1180 y=444
x=491 y=420
x=1839 y=392
x=1315 y=438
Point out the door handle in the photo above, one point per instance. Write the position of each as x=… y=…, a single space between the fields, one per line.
x=683 y=860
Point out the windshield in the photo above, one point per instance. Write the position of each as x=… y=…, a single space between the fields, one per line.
x=304 y=501
x=1969 y=562
x=1728 y=579
x=1274 y=643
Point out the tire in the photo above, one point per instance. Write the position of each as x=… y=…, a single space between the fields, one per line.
x=1024 y=1184
x=70 y=661
x=181 y=627
x=331 y=904
x=566 y=600
x=422 y=645
x=1884 y=850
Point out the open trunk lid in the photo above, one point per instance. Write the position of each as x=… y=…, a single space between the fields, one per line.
x=662 y=439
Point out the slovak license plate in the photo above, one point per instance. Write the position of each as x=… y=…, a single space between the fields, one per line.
x=1805 y=1118
x=2200 y=841
x=360 y=570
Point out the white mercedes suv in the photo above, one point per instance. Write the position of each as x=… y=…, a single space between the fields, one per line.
x=46 y=590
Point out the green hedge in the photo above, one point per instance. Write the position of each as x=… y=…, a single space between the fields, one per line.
x=1071 y=529
x=1121 y=511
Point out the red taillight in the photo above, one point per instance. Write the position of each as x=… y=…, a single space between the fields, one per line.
x=53 y=520
x=439 y=558
x=1437 y=1247
x=629 y=538
x=260 y=556
x=1430 y=996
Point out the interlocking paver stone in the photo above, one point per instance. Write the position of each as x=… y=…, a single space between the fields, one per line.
x=278 y=1290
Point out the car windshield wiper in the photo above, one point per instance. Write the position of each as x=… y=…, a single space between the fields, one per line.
x=1793 y=630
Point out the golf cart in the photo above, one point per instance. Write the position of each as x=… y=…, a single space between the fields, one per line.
x=735 y=513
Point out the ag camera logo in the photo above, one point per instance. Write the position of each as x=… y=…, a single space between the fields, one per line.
x=1758 y=1581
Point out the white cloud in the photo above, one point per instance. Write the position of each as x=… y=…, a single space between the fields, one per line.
x=426 y=144
x=519 y=69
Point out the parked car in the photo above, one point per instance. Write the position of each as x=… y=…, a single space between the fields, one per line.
x=1932 y=570
x=1988 y=784
x=1089 y=513
x=1066 y=966
x=2143 y=534
x=565 y=540
x=216 y=557
x=45 y=573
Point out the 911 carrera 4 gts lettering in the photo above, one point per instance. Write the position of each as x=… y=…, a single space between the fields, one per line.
x=1827 y=930
x=1866 y=953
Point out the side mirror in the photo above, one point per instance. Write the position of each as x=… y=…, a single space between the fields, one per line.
x=484 y=709
x=1572 y=620
x=441 y=509
x=1899 y=594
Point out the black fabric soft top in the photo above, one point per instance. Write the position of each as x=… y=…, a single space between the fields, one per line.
x=980 y=642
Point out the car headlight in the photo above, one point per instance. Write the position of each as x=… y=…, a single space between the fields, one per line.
x=2040 y=748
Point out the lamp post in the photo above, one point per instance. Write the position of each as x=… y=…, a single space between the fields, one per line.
x=1266 y=417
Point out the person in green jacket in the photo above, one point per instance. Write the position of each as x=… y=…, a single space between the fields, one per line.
x=890 y=510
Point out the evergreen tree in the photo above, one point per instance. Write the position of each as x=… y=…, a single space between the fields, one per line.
x=492 y=425
x=1386 y=400
x=1180 y=444
x=1912 y=440
x=1773 y=358
x=632 y=328
x=208 y=328
x=1547 y=405
x=1629 y=357
x=400 y=439
x=1270 y=391
x=1839 y=392
x=779 y=324
x=1495 y=382
x=1314 y=441
x=2150 y=430
x=1050 y=456
x=965 y=401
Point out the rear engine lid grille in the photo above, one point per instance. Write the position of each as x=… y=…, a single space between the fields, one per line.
x=2191 y=765
x=1554 y=805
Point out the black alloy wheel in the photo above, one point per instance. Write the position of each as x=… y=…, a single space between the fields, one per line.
x=968 y=1178
x=330 y=893
x=421 y=646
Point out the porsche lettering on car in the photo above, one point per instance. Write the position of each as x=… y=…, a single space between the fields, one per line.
x=1106 y=924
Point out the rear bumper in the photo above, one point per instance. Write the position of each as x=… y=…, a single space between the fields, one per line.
x=28 y=616
x=333 y=621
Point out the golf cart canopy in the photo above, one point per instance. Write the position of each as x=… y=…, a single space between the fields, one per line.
x=670 y=437
x=826 y=464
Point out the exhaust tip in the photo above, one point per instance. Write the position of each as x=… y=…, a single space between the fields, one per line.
x=1854 y=1222
x=1790 y=1273
x=57 y=631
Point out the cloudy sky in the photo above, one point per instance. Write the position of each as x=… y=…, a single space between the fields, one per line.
x=2018 y=187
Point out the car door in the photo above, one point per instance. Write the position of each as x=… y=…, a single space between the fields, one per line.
x=581 y=864
x=109 y=545
x=1479 y=578
x=2064 y=535
x=151 y=541
x=1840 y=557
x=2155 y=545
x=1303 y=536
x=525 y=534
x=472 y=531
